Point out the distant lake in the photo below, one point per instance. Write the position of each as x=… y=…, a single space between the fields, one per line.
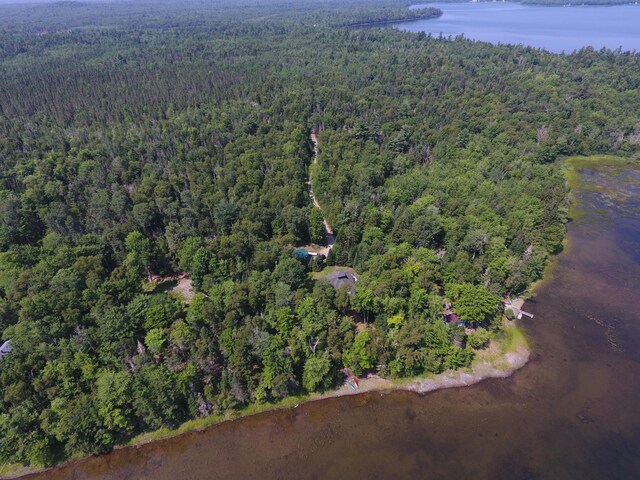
x=557 y=29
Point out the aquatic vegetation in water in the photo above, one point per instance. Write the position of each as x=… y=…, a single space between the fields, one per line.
x=605 y=183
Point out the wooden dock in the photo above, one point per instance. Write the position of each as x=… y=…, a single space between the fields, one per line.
x=518 y=311
x=522 y=312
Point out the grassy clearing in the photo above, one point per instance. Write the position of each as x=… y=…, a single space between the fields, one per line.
x=328 y=271
x=513 y=339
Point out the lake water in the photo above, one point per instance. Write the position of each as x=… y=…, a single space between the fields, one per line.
x=570 y=413
x=556 y=29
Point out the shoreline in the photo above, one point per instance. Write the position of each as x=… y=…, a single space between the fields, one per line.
x=487 y=364
x=500 y=359
x=389 y=21
x=512 y=361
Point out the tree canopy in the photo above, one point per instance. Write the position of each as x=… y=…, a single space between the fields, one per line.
x=139 y=145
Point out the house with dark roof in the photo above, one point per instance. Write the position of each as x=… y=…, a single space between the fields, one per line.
x=340 y=278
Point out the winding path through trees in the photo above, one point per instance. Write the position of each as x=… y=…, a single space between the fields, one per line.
x=330 y=236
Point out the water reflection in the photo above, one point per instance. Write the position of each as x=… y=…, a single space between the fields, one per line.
x=559 y=29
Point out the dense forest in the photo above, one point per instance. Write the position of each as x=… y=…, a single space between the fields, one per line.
x=139 y=143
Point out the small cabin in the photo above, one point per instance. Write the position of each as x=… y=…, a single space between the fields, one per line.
x=452 y=318
x=340 y=278
x=5 y=349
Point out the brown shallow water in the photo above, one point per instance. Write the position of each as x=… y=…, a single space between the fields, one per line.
x=572 y=413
